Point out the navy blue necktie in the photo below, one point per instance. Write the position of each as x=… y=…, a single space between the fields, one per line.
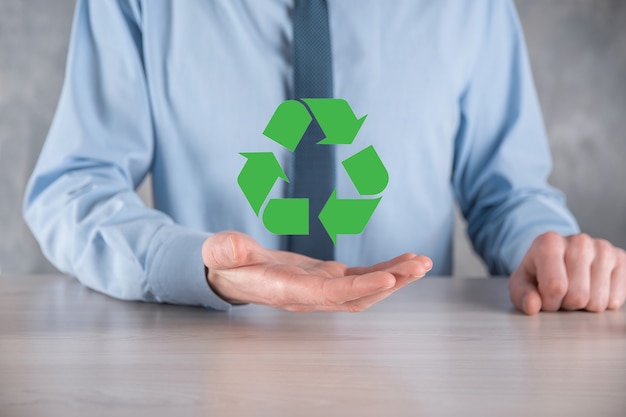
x=313 y=169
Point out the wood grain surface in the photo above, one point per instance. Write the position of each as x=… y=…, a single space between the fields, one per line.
x=440 y=347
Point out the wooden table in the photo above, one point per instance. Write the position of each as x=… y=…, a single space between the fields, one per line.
x=440 y=347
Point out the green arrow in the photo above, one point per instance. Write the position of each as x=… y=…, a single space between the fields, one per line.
x=367 y=172
x=336 y=119
x=287 y=216
x=257 y=177
x=289 y=122
x=346 y=216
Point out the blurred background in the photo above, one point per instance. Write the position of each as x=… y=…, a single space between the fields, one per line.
x=578 y=52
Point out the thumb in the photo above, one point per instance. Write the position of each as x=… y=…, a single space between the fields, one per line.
x=523 y=290
x=226 y=250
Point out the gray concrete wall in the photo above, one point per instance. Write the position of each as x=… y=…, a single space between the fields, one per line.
x=578 y=50
x=33 y=43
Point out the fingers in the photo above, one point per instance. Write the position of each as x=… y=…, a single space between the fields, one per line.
x=355 y=306
x=333 y=292
x=523 y=290
x=571 y=273
x=617 y=294
x=361 y=288
x=357 y=293
x=579 y=257
x=548 y=267
x=405 y=268
x=600 y=279
x=407 y=264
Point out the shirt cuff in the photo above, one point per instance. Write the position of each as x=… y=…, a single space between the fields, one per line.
x=176 y=270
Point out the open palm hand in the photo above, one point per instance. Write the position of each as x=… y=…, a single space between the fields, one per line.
x=242 y=271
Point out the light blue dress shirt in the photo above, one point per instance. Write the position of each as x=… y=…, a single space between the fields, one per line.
x=179 y=88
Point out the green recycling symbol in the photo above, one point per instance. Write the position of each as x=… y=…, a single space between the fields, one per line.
x=290 y=216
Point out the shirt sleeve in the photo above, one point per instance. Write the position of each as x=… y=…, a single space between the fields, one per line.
x=502 y=159
x=80 y=202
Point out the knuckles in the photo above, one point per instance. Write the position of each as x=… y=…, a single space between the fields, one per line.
x=549 y=243
x=603 y=245
x=605 y=251
x=554 y=287
x=582 y=240
x=581 y=246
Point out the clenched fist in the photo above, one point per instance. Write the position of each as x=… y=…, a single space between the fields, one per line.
x=570 y=273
